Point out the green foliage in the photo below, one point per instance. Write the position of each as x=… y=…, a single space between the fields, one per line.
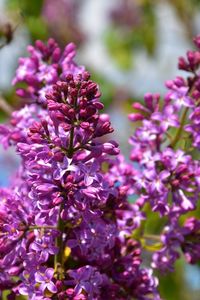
x=27 y=8
x=173 y=286
x=30 y=14
x=6 y=293
x=120 y=48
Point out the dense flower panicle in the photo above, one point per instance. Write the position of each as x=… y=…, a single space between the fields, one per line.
x=61 y=151
x=43 y=68
x=165 y=258
x=23 y=249
x=177 y=237
x=67 y=227
x=45 y=65
x=163 y=146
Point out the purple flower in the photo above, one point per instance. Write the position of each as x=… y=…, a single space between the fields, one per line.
x=179 y=93
x=167 y=118
x=45 y=280
x=191 y=62
x=45 y=247
x=191 y=243
x=165 y=258
x=140 y=282
x=158 y=181
x=40 y=70
x=94 y=237
x=87 y=279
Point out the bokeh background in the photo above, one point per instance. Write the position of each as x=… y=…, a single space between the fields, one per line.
x=130 y=46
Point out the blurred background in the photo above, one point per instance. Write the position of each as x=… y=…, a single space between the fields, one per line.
x=130 y=46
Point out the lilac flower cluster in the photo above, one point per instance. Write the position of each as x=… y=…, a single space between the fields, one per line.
x=66 y=225
x=166 y=146
x=43 y=68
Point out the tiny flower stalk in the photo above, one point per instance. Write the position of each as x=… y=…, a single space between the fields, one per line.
x=41 y=227
x=149 y=246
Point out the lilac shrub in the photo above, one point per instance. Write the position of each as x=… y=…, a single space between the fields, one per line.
x=67 y=227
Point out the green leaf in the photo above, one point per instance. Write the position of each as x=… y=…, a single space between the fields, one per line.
x=27 y=8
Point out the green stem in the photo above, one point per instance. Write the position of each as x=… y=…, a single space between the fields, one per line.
x=71 y=142
x=179 y=131
x=169 y=136
x=41 y=227
x=139 y=232
x=154 y=247
x=58 y=258
x=184 y=115
x=152 y=237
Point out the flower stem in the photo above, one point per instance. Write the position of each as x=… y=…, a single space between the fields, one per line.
x=58 y=259
x=179 y=131
x=151 y=237
x=5 y=106
x=71 y=142
x=42 y=227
